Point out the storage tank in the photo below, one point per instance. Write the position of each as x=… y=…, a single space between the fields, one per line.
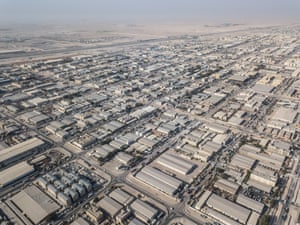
x=42 y=182
x=73 y=194
x=52 y=190
x=66 y=180
x=49 y=177
x=86 y=184
x=59 y=185
x=79 y=189
x=73 y=176
x=64 y=199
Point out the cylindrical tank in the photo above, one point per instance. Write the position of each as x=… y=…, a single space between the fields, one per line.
x=66 y=180
x=73 y=194
x=86 y=184
x=42 y=182
x=64 y=199
x=79 y=189
x=52 y=190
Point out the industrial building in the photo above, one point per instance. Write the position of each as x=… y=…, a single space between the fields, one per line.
x=250 y=203
x=286 y=115
x=195 y=152
x=124 y=158
x=202 y=200
x=15 y=173
x=110 y=206
x=66 y=188
x=36 y=118
x=220 y=217
x=192 y=140
x=264 y=175
x=21 y=150
x=80 y=221
x=227 y=186
x=216 y=128
x=140 y=113
x=85 y=141
x=254 y=218
x=33 y=206
x=259 y=185
x=242 y=162
x=228 y=208
x=148 y=142
x=103 y=151
x=121 y=196
x=159 y=180
x=211 y=147
x=135 y=221
x=144 y=211
x=176 y=163
x=272 y=161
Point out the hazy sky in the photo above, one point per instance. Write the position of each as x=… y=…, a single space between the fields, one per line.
x=139 y=11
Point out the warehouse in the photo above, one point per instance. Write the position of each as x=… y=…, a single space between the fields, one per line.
x=138 y=148
x=124 y=158
x=148 y=142
x=202 y=200
x=117 y=144
x=189 y=149
x=262 y=88
x=15 y=173
x=227 y=186
x=192 y=140
x=113 y=126
x=144 y=211
x=103 y=151
x=201 y=155
x=216 y=128
x=85 y=141
x=127 y=139
x=220 y=217
x=80 y=221
x=136 y=222
x=249 y=148
x=39 y=120
x=159 y=180
x=121 y=196
x=197 y=153
x=229 y=208
x=286 y=115
x=211 y=147
x=242 y=162
x=259 y=185
x=33 y=204
x=272 y=161
x=264 y=175
x=253 y=220
x=279 y=147
x=250 y=203
x=140 y=113
x=175 y=163
x=19 y=151
x=110 y=206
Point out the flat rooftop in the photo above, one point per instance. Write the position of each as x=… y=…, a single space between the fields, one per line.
x=35 y=204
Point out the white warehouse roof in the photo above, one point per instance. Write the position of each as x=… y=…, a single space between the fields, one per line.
x=143 y=210
x=11 y=153
x=229 y=208
x=14 y=173
x=285 y=114
x=159 y=180
x=35 y=204
x=250 y=203
x=176 y=163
